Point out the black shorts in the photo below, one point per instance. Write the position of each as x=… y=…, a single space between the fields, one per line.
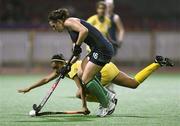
x=99 y=57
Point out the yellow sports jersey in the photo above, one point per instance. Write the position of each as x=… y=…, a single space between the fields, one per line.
x=74 y=69
x=103 y=27
x=108 y=72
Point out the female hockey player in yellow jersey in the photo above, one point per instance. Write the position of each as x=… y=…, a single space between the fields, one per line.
x=108 y=75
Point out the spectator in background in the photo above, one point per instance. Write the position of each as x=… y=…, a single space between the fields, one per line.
x=116 y=30
x=103 y=24
x=11 y=11
x=99 y=20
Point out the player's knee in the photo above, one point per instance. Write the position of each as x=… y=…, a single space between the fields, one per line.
x=85 y=78
x=135 y=84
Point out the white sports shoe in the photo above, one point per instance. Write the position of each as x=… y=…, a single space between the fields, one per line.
x=112 y=103
x=111 y=106
x=112 y=110
x=102 y=112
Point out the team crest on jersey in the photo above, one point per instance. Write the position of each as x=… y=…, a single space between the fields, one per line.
x=95 y=55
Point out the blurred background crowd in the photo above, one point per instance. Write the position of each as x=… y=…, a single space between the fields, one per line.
x=151 y=28
x=139 y=14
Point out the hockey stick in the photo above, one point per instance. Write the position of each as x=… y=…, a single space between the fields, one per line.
x=56 y=113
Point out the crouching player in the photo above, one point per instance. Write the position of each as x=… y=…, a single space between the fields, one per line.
x=109 y=74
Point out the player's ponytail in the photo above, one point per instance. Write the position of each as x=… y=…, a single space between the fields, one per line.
x=59 y=14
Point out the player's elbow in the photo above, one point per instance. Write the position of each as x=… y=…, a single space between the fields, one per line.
x=84 y=31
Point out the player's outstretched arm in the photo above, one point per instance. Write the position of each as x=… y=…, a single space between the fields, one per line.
x=82 y=94
x=41 y=82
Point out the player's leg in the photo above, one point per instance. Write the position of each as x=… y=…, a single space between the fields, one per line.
x=123 y=79
x=83 y=64
x=92 y=85
x=102 y=99
x=89 y=69
x=146 y=72
x=89 y=97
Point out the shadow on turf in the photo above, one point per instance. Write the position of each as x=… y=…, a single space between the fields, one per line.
x=63 y=118
x=78 y=118
x=94 y=116
x=70 y=97
x=133 y=116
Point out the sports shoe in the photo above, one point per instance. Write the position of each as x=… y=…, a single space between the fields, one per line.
x=105 y=111
x=111 y=106
x=112 y=103
x=111 y=111
x=102 y=112
x=100 y=109
x=163 y=61
x=169 y=62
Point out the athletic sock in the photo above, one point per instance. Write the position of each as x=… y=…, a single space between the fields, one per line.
x=103 y=88
x=95 y=88
x=91 y=98
x=143 y=74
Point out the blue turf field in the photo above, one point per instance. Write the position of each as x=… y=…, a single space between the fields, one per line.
x=155 y=103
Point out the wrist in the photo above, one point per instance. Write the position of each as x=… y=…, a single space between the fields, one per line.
x=77 y=50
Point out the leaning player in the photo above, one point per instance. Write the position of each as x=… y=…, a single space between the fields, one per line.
x=101 y=52
x=108 y=75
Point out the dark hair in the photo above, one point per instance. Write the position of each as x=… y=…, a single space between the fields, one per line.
x=101 y=3
x=61 y=14
x=58 y=58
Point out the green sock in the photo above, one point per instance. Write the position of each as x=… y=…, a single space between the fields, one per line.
x=95 y=88
x=103 y=88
